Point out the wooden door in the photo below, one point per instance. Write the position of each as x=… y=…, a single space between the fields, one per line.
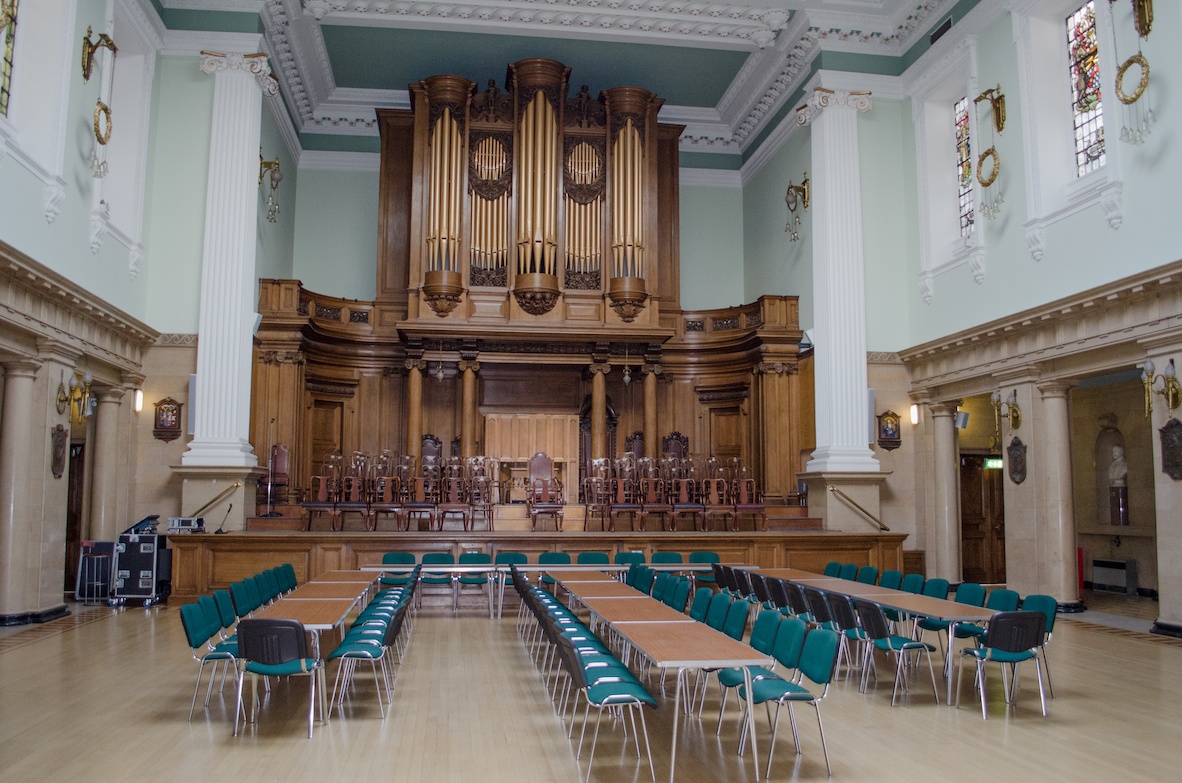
x=74 y=514
x=982 y=522
x=327 y=426
x=726 y=433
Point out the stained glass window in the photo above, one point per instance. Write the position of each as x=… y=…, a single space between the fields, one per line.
x=7 y=36
x=964 y=168
x=1086 y=107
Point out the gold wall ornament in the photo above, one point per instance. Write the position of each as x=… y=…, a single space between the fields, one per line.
x=1126 y=98
x=1143 y=17
x=90 y=47
x=796 y=197
x=987 y=154
x=102 y=134
x=997 y=101
x=7 y=13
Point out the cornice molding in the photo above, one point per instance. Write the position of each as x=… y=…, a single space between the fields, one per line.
x=712 y=178
x=340 y=161
x=39 y=302
x=1097 y=330
x=189 y=43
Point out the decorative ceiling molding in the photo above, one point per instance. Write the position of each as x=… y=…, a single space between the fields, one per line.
x=340 y=161
x=668 y=20
x=712 y=178
x=190 y=43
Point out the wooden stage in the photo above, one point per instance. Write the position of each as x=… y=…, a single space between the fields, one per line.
x=203 y=562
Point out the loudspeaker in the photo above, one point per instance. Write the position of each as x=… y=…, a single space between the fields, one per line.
x=961 y=419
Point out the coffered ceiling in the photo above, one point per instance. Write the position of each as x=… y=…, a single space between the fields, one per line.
x=724 y=69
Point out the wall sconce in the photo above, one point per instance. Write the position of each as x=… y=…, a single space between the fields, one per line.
x=627 y=368
x=271 y=167
x=914 y=414
x=797 y=196
x=438 y=374
x=997 y=102
x=1170 y=388
x=139 y=400
x=1008 y=408
x=78 y=398
x=90 y=47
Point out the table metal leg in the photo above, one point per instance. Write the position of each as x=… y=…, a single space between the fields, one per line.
x=747 y=684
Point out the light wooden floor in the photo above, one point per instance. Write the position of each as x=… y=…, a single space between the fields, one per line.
x=103 y=696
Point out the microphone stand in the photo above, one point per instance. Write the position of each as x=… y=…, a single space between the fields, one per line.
x=270 y=465
x=222 y=527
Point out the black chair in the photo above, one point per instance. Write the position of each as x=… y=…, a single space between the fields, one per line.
x=1012 y=637
x=277 y=648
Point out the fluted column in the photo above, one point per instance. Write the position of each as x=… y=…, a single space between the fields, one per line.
x=414 y=407
x=19 y=379
x=1059 y=562
x=652 y=440
x=104 y=525
x=839 y=310
x=469 y=413
x=944 y=544
x=599 y=372
x=227 y=310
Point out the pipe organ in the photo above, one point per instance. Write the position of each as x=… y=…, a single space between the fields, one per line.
x=532 y=204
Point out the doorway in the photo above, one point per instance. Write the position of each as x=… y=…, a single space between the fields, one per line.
x=982 y=519
x=74 y=515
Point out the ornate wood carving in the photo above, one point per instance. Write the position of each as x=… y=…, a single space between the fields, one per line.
x=584 y=193
x=490 y=184
x=583 y=111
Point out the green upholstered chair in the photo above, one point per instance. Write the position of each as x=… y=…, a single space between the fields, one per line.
x=969 y=593
x=551 y=558
x=678 y=596
x=913 y=583
x=762 y=639
x=878 y=632
x=868 y=575
x=244 y=602
x=832 y=568
x=817 y=660
x=659 y=582
x=703 y=577
x=700 y=603
x=628 y=558
x=506 y=578
x=397 y=577
x=477 y=579
x=593 y=558
x=199 y=632
x=374 y=650
x=1048 y=606
x=1010 y=639
x=276 y=648
x=428 y=579
x=891 y=579
x=667 y=558
x=716 y=611
x=848 y=571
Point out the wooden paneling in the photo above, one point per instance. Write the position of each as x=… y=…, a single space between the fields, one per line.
x=203 y=563
x=326 y=426
x=515 y=437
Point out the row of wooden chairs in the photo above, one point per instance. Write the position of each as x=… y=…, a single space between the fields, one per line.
x=609 y=499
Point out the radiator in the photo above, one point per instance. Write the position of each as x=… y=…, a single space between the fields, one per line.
x=1118 y=576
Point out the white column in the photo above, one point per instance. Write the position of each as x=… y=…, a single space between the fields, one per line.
x=839 y=298
x=1060 y=563
x=227 y=315
x=944 y=544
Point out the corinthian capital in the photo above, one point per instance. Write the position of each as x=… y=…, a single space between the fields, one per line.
x=212 y=62
x=822 y=99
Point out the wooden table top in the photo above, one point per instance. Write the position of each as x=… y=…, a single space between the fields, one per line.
x=312 y=590
x=935 y=608
x=689 y=645
x=629 y=610
x=361 y=577
x=581 y=576
x=832 y=584
x=791 y=574
x=319 y=614
x=610 y=588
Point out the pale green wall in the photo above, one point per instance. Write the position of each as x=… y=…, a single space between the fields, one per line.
x=275 y=242
x=885 y=222
x=64 y=244
x=772 y=263
x=336 y=234
x=711 y=247
x=1081 y=251
x=178 y=167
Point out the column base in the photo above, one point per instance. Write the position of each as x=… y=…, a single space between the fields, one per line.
x=220 y=453
x=200 y=485
x=836 y=459
x=1167 y=629
x=1071 y=607
x=43 y=616
x=840 y=513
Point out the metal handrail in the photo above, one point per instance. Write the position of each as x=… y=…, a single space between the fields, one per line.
x=859 y=506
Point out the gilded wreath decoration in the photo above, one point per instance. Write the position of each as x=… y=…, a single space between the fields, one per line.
x=987 y=154
x=102 y=134
x=1136 y=59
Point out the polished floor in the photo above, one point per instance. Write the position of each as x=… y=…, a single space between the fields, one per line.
x=103 y=695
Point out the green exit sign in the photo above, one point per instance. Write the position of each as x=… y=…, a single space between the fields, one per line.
x=993 y=463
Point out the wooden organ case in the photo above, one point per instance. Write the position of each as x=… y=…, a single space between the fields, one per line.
x=532 y=207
